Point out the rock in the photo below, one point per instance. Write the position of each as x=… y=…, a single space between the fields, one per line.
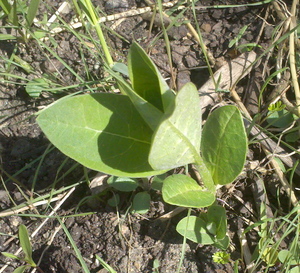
x=119 y=5
x=4 y=199
x=206 y=27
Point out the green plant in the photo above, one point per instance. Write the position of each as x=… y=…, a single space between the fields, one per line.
x=105 y=265
x=141 y=200
x=273 y=232
x=148 y=131
x=27 y=250
x=13 y=11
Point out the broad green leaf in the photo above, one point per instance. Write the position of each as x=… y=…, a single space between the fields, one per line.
x=183 y=191
x=176 y=142
x=224 y=144
x=102 y=131
x=122 y=183
x=21 y=269
x=25 y=244
x=141 y=202
x=146 y=80
x=195 y=230
x=217 y=214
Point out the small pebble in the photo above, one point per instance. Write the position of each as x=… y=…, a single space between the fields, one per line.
x=116 y=4
x=206 y=27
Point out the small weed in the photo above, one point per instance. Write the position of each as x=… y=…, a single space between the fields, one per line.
x=27 y=251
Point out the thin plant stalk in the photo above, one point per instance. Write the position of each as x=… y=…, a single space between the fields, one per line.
x=99 y=31
x=292 y=57
x=184 y=242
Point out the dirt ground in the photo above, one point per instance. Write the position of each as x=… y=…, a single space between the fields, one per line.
x=127 y=242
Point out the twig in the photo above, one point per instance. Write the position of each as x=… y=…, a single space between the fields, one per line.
x=29 y=207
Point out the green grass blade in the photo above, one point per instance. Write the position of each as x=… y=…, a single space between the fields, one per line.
x=5 y=6
x=10 y=255
x=77 y=252
x=105 y=265
x=31 y=12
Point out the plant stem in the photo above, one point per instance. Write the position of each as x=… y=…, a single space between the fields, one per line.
x=99 y=32
x=184 y=242
x=295 y=83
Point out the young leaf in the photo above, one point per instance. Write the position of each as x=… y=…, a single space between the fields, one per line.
x=21 y=269
x=217 y=214
x=195 y=230
x=102 y=131
x=151 y=115
x=141 y=202
x=146 y=79
x=177 y=140
x=183 y=191
x=221 y=257
x=10 y=255
x=25 y=244
x=122 y=183
x=224 y=144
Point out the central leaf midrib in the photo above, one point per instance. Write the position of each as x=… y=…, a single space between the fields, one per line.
x=185 y=140
x=109 y=133
x=117 y=135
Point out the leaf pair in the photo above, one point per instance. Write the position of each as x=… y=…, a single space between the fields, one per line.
x=137 y=134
